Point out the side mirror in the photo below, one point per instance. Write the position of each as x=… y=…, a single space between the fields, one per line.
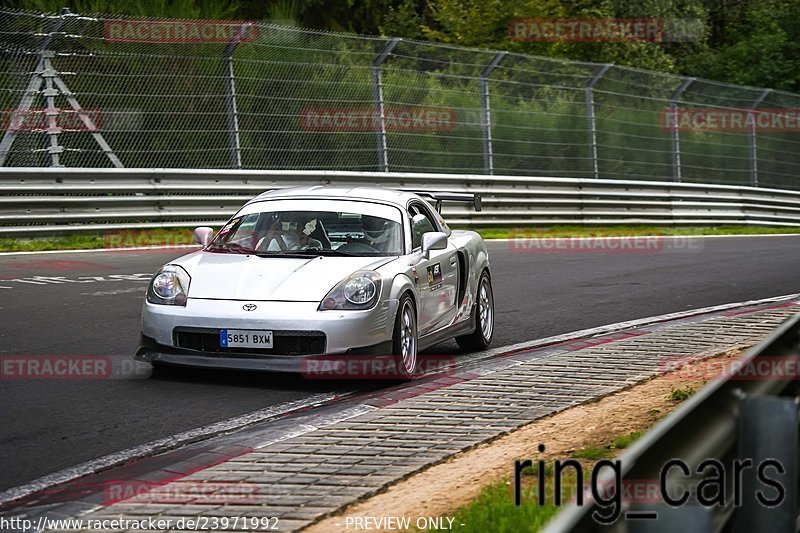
x=203 y=235
x=433 y=240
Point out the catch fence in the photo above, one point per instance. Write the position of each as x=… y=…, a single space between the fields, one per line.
x=102 y=91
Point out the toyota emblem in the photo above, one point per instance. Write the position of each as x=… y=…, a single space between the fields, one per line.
x=249 y=307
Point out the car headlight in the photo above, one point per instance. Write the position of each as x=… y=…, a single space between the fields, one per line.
x=360 y=290
x=170 y=286
x=357 y=291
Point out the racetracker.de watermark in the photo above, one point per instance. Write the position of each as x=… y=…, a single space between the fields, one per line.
x=731 y=120
x=180 y=31
x=763 y=368
x=71 y=367
x=615 y=30
x=529 y=242
x=52 y=119
x=195 y=492
x=632 y=491
x=123 y=239
x=370 y=366
x=397 y=119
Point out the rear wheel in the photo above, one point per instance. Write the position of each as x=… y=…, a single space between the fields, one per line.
x=484 y=318
x=404 y=341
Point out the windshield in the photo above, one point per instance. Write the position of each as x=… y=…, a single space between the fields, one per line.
x=312 y=227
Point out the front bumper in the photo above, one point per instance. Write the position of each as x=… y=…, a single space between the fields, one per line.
x=150 y=351
x=345 y=332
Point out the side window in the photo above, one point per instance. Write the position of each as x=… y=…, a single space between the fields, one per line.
x=421 y=223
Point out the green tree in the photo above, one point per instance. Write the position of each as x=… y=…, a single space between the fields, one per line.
x=754 y=42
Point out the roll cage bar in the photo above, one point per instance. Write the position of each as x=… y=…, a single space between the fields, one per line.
x=439 y=197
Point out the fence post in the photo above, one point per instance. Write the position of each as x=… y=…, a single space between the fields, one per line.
x=488 y=155
x=230 y=97
x=672 y=119
x=752 y=137
x=33 y=87
x=46 y=75
x=377 y=89
x=589 y=100
x=51 y=113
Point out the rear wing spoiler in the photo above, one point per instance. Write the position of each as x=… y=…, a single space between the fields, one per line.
x=439 y=197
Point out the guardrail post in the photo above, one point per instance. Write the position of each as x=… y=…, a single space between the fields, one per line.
x=230 y=97
x=589 y=101
x=752 y=137
x=32 y=89
x=674 y=127
x=377 y=89
x=768 y=436
x=488 y=155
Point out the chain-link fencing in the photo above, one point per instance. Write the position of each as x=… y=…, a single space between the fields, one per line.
x=102 y=91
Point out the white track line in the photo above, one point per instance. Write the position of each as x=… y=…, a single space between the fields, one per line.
x=226 y=426
x=639 y=322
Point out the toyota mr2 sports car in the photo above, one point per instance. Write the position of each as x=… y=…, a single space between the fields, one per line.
x=318 y=272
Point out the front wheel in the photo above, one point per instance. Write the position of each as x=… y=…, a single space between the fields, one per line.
x=484 y=319
x=404 y=340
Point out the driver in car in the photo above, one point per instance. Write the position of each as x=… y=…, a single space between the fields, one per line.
x=290 y=232
x=379 y=232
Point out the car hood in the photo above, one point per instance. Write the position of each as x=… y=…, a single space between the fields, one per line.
x=248 y=277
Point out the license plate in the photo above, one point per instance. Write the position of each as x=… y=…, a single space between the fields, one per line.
x=245 y=338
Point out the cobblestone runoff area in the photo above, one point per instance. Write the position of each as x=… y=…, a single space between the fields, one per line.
x=309 y=465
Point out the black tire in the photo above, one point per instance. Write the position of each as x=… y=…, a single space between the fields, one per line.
x=404 y=339
x=481 y=338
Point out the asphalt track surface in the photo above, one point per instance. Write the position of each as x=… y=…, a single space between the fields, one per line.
x=92 y=303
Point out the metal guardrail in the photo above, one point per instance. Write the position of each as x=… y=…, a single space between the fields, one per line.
x=751 y=415
x=37 y=201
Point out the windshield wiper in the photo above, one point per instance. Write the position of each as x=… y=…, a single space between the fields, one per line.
x=312 y=252
x=325 y=251
x=232 y=247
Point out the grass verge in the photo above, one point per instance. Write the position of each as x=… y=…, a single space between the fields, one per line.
x=626 y=231
x=109 y=239
x=494 y=510
x=170 y=236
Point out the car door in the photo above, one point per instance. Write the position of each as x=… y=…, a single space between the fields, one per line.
x=438 y=274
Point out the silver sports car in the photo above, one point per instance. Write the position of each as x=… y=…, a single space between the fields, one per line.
x=320 y=272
